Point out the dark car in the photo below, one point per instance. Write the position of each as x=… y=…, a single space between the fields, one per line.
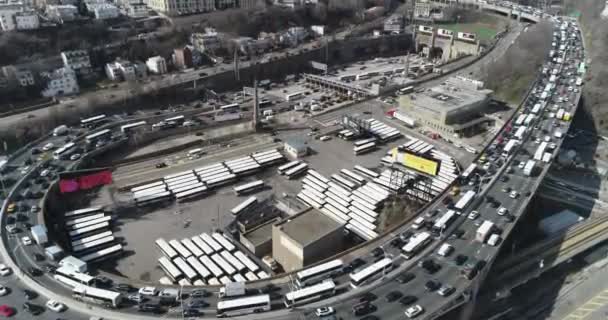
x=393 y=296
x=429 y=265
x=198 y=303
x=29 y=294
x=397 y=243
x=370 y=317
x=377 y=252
x=161 y=165
x=192 y=312
x=199 y=293
x=49 y=268
x=407 y=300
x=102 y=281
x=149 y=307
x=35 y=272
x=406 y=235
x=406 y=277
x=368 y=297
x=124 y=287
x=38 y=257
x=432 y=285
x=362 y=309
x=32 y=308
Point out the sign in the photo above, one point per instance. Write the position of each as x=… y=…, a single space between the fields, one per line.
x=84 y=180
x=425 y=29
x=318 y=66
x=445 y=33
x=466 y=36
x=412 y=161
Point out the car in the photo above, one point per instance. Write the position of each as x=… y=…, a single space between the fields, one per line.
x=125 y=287
x=148 y=291
x=25 y=169
x=55 y=305
x=102 y=281
x=406 y=235
x=199 y=293
x=460 y=259
x=191 y=312
x=49 y=268
x=407 y=300
x=4 y=270
x=3 y=290
x=513 y=194
x=370 y=317
x=27 y=241
x=446 y=290
x=506 y=189
x=364 y=308
x=48 y=146
x=35 y=272
x=6 y=311
x=197 y=303
x=324 y=311
x=445 y=250
x=429 y=265
x=502 y=211
x=32 y=308
x=413 y=311
x=397 y=243
x=325 y=138
x=405 y=277
x=161 y=165
x=368 y=297
x=29 y=294
x=393 y=296
x=11 y=207
x=377 y=252
x=521 y=165
x=149 y=307
x=504 y=178
x=34 y=209
x=473 y=215
x=137 y=298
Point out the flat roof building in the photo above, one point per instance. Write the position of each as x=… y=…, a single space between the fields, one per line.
x=456 y=106
x=306 y=238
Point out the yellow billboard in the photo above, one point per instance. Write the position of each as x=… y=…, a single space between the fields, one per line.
x=415 y=162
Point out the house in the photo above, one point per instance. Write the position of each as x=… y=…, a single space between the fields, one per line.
x=157 y=65
x=60 y=82
x=206 y=42
x=7 y=15
x=62 y=13
x=77 y=60
x=125 y=70
x=27 y=20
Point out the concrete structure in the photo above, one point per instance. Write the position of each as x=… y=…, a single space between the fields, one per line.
x=54 y=252
x=60 y=82
x=259 y=239
x=183 y=58
x=125 y=70
x=136 y=10
x=445 y=45
x=206 y=42
x=77 y=60
x=157 y=65
x=305 y=238
x=104 y=11
x=73 y=263
x=225 y=4
x=177 y=7
x=296 y=148
x=27 y=20
x=454 y=107
x=7 y=15
x=394 y=24
x=62 y=13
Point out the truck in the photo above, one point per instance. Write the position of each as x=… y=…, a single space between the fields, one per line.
x=39 y=234
x=270 y=262
x=529 y=167
x=267 y=113
x=61 y=130
x=484 y=230
x=232 y=289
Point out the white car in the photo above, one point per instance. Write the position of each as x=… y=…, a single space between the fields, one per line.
x=25 y=169
x=413 y=311
x=502 y=211
x=55 y=305
x=325 y=138
x=513 y=194
x=473 y=215
x=325 y=311
x=4 y=270
x=521 y=165
x=148 y=291
x=34 y=209
x=75 y=156
x=45 y=172
x=3 y=290
x=27 y=241
x=48 y=146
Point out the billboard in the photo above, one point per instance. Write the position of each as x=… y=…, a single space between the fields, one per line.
x=84 y=179
x=415 y=162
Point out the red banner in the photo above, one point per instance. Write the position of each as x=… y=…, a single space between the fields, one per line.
x=85 y=182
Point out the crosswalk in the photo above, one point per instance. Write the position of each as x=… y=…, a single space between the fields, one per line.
x=585 y=310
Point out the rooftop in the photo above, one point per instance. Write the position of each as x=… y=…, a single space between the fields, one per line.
x=261 y=233
x=451 y=94
x=309 y=227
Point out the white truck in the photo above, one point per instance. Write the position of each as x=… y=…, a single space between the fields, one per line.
x=484 y=230
x=529 y=167
x=61 y=130
x=232 y=289
x=227 y=117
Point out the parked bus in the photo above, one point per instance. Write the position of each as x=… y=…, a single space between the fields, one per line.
x=202 y=245
x=99 y=135
x=92 y=238
x=406 y=90
x=282 y=169
x=86 y=247
x=228 y=269
x=189 y=273
x=102 y=254
x=242 y=306
x=416 y=244
x=87 y=231
x=364 y=148
x=240 y=267
x=359 y=143
x=344 y=182
x=166 y=249
x=244 y=206
x=188 y=244
x=249 y=187
x=190 y=194
x=251 y=266
x=62 y=152
x=367 y=172
x=78 y=277
x=170 y=269
x=318 y=273
x=230 y=108
x=199 y=268
x=211 y=242
x=185 y=253
x=380 y=267
x=97 y=295
x=296 y=171
x=211 y=266
x=153 y=199
x=88 y=122
x=295 y=96
x=76 y=221
x=309 y=294
x=221 y=239
x=152 y=185
x=251 y=276
x=83 y=212
x=353 y=176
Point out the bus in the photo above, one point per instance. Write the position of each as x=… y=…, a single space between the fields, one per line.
x=357 y=278
x=214 y=282
x=468 y=172
x=199 y=268
x=506 y=151
x=92 y=238
x=318 y=273
x=347 y=135
x=147 y=186
x=153 y=199
x=102 y=254
x=212 y=267
x=359 y=143
x=177 y=119
x=126 y=129
x=77 y=221
x=309 y=294
x=221 y=239
x=242 y=306
x=406 y=90
x=202 y=245
x=189 y=273
x=99 y=135
x=251 y=266
x=240 y=267
x=264 y=103
x=177 y=175
x=184 y=283
x=318 y=176
x=88 y=122
x=353 y=176
x=296 y=171
x=223 y=264
x=442 y=223
x=230 y=108
x=295 y=96
x=282 y=169
x=166 y=249
x=196 y=251
x=190 y=194
x=185 y=253
x=78 y=277
x=86 y=231
x=92 y=244
x=239 y=278
x=60 y=153
x=211 y=242
x=416 y=244
x=79 y=225
x=222 y=180
x=465 y=200
x=344 y=182
x=66 y=281
x=310 y=199
x=251 y=276
x=364 y=148
x=244 y=206
x=106 y=297
x=195 y=153
x=249 y=187
x=83 y=212
x=170 y=269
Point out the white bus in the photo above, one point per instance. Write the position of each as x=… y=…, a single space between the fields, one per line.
x=295 y=96
x=468 y=171
x=442 y=223
x=102 y=254
x=240 y=267
x=152 y=185
x=319 y=176
x=211 y=266
x=87 y=231
x=296 y=171
x=202 y=245
x=83 y=212
x=221 y=239
x=318 y=273
x=105 y=133
x=195 y=153
x=190 y=194
x=86 y=247
x=196 y=251
x=177 y=119
x=262 y=274
x=166 y=249
x=364 y=148
x=244 y=206
x=219 y=181
x=465 y=200
x=223 y=264
x=61 y=152
x=242 y=306
x=165 y=281
x=359 y=143
x=309 y=294
x=75 y=221
x=92 y=238
x=239 y=278
x=380 y=267
x=416 y=244
x=97 y=295
x=212 y=243
x=251 y=276
x=353 y=176
x=78 y=277
x=153 y=199
x=95 y=221
x=249 y=187
x=170 y=269
x=199 y=268
x=126 y=129
x=251 y=266
x=506 y=151
x=230 y=108
x=92 y=120
x=344 y=182
x=282 y=169
x=185 y=253
x=177 y=175
x=189 y=273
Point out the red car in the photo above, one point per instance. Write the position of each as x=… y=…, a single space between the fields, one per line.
x=6 y=311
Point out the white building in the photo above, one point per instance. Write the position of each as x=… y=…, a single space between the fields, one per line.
x=60 y=82
x=136 y=10
x=103 y=11
x=318 y=30
x=27 y=20
x=157 y=65
x=19 y=74
x=62 y=13
x=125 y=70
x=77 y=60
x=206 y=42
x=251 y=4
x=7 y=15
x=181 y=7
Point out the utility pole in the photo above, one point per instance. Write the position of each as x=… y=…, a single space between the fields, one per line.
x=256 y=104
x=237 y=73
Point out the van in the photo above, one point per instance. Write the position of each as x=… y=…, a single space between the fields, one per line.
x=418 y=223
x=494 y=240
x=445 y=250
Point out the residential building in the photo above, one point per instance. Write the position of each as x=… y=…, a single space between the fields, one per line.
x=306 y=238
x=125 y=70
x=27 y=20
x=19 y=74
x=77 y=60
x=183 y=58
x=60 y=82
x=206 y=42
x=62 y=13
x=7 y=15
x=136 y=10
x=296 y=148
x=225 y=4
x=181 y=7
x=103 y=11
x=157 y=65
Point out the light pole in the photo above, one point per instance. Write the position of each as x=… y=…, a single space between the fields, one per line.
x=181 y=300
